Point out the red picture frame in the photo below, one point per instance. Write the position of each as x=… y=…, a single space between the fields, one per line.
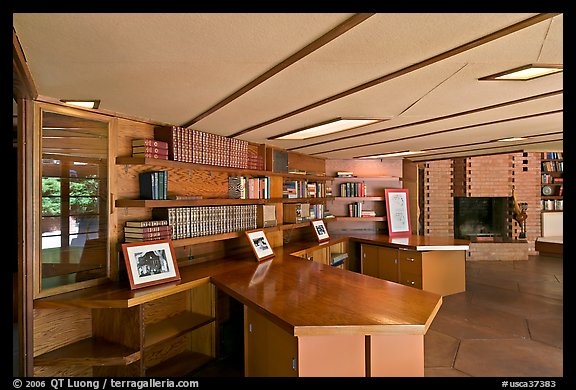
x=150 y=263
x=398 y=212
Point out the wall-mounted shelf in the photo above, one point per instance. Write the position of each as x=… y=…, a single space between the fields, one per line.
x=203 y=167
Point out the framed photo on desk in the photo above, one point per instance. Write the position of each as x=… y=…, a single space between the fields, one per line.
x=260 y=245
x=398 y=212
x=320 y=230
x=150 y=262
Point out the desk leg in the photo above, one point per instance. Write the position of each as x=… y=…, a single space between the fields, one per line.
x=396 y=355
x=332 y=356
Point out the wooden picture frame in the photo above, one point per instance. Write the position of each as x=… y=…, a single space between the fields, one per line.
x=398 y=212
x=150 y=262
x=260 y=245
x=320 y=230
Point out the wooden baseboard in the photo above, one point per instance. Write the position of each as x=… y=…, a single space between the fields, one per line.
x=549 y=248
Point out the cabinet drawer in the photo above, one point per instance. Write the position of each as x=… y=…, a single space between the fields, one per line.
x=412 y=280
x=410 y=262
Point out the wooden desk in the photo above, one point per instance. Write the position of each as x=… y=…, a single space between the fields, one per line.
x=301 y=318
x=309 y=319
x=435 y=264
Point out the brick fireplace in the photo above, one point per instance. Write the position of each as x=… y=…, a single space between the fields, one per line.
x=484 y=176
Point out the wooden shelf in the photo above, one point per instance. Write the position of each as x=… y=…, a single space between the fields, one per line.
x=89 y=352
x=203 y=167
x=357 y=198
x=367 y=178
x=185 y=203
x=174 y=326
x=148 y=203
x=228 y=236
x=184 y=362
x=361 y=219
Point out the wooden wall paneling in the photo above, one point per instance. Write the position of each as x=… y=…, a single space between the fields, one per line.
x=159 y=309
x=160 y=352
x=312 y=165
x=122 y=326
x=69 y=371
x=366 y=167
x=55 y=328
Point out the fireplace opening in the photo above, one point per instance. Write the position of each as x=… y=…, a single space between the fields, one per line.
x=481 y=218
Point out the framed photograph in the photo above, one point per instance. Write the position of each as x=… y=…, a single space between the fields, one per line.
x=260 y=245
x=150 y=262
x=320 y=230
x=397 y=212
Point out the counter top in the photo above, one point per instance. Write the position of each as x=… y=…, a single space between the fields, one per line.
x=307 y=298
x=418 y=243
x=301 y=296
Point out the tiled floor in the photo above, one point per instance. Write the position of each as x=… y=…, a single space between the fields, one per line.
x=509 y=322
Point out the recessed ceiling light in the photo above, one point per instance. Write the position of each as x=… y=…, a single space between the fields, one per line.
x=324 y=128
x=510 y=139
x=526 y=72
x=82 y=103
x=395 y=154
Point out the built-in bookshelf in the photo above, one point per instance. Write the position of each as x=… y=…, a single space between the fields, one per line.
x=193 y=211
x=360 y=198
x=552 y=181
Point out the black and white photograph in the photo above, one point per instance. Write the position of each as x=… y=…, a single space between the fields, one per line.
x=320 y=230
x=150 y=262
x=260 y=245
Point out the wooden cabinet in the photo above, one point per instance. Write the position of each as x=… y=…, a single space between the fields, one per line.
x=327 y=254
x=166 y=336
x=438 y=271
x=380 y=262
x=269 y=350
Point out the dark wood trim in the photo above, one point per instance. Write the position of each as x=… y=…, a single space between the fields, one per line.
x=489 y=150
x=442 y=56
x=439 y=118
x=22 y=83
x=318 y=43
x=441 y=131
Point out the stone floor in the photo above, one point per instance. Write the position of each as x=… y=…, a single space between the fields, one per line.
x=508 y=323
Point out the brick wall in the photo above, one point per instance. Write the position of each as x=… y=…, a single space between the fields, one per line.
x=438 y=202
x=496 y=175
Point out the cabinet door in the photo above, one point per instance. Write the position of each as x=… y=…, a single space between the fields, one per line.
x=410 y=268
x=268 y=349
x=388 y=264
x=320 y=256
x=370 y=259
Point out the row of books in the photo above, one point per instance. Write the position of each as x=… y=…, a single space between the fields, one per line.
x=138 y=231
x=552 y=204
x=153 y=185
x=550 y=179
x=552 y=166
x=198 y=147
x=356 y=209
x=150 y=148
x=186 y=222
x=356 y=189
x=552 y=155
x=241 y=187
x=293 y=189
x=317 y=211
x=255 y=162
